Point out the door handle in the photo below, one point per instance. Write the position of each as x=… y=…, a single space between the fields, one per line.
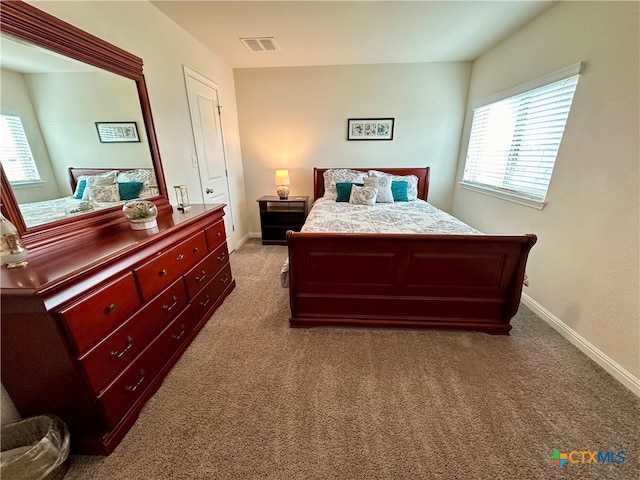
x=209 y=190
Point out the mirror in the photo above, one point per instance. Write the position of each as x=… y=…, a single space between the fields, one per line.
x=59 y=81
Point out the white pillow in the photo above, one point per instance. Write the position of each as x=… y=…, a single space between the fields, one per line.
x=412 y=182
x=104 y=193
x=107 y=178
x=143 y=175
x=340 y=175
x=383 y=185
x=363 y=195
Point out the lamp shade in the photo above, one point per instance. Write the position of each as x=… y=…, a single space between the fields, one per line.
x=282 y=177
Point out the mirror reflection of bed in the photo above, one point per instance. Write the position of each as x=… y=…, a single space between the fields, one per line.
x=57 y=101
x=107 y=188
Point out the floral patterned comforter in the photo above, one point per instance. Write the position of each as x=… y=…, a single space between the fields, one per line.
x=416 y=216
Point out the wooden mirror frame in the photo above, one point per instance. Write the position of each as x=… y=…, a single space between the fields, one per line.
x=28 y=23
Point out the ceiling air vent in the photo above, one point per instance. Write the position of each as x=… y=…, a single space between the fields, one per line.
x=260 y=44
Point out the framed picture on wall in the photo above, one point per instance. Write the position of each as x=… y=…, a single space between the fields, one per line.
x=117 y=132
x=370 y=129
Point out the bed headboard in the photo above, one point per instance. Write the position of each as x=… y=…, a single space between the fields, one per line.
x=421 y=172
x=75 y=173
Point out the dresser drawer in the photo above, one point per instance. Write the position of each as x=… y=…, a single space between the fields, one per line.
x=104 y=360
x=199 y=275
x=215 y=235
x=127 y=387
x=166 y=267
x=91 y=318
x=203 y=302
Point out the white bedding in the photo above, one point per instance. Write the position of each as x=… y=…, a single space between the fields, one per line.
x=416 y=216
x=37 y=213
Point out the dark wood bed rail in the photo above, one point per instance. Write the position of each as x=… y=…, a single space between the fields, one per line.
x=471 y=282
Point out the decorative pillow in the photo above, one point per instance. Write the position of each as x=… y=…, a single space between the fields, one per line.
x=104 y=193
x=383 y=185
x=363 y=195
x=107 y=178
x=342 y=175
x=149 y=191
x=399 y=191
x=80 y=186
x=129 y=190
x=343 y=190
x=412 y=182
x=144 y=175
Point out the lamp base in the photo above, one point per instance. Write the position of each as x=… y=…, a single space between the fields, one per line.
x=283 y=192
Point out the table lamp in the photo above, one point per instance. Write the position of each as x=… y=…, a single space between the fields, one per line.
x=282 y=181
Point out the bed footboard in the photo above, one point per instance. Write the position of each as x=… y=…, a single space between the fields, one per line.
x=471 y=282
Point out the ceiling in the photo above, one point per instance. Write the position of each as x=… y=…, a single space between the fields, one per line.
x=351 y=32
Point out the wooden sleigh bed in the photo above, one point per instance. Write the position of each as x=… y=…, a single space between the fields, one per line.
x=471 y=282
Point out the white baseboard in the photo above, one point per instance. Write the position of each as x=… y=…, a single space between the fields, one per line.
x=610 y=366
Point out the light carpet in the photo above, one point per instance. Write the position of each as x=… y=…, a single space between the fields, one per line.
x=253 y=399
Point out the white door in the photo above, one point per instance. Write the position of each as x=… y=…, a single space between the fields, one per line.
x=209 y=143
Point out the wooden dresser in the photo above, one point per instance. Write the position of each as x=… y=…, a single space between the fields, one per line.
x=90 y=330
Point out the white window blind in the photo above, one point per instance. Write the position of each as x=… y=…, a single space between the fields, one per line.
x=15 y=154
x=514 y=141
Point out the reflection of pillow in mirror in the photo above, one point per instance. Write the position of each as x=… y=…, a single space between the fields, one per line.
x=104 y=193
x=149 y=191
x=82 y=184
x=108 y=178
x=143 y=175
x=129 y=190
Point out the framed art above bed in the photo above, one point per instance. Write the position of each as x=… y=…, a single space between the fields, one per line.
x=370 y=128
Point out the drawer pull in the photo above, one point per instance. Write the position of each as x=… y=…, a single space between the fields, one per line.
x=218 y=234
x=178 y=336
x=221 y=257
x=133 y=388
x=224 y=279
x=196 y=249
x=180 y=257
x=201 y=277
x=162 y=272
x=110 y=308
x=168 y=308
x=116 y=354
x=205 y=302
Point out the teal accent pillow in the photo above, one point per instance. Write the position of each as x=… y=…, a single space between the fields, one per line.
x=399 y=191
x=82 y=184
x=129 y=190
x=344 y=191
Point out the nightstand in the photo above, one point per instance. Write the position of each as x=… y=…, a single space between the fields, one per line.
x=277 y=216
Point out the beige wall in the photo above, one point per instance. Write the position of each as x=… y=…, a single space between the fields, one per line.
x=584 y=269
x=296 y=118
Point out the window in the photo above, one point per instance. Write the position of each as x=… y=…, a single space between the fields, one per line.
x=15 y=154
x=514 y=140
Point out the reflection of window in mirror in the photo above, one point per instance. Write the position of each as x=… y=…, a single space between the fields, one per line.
x=15 y=153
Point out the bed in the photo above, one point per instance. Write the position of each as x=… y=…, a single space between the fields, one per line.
x=456 y=280
x=36 y=213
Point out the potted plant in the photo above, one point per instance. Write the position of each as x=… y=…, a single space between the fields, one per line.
x=141 y=214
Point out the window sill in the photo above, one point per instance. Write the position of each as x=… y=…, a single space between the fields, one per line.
x=504 y=195
x=21 y=185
